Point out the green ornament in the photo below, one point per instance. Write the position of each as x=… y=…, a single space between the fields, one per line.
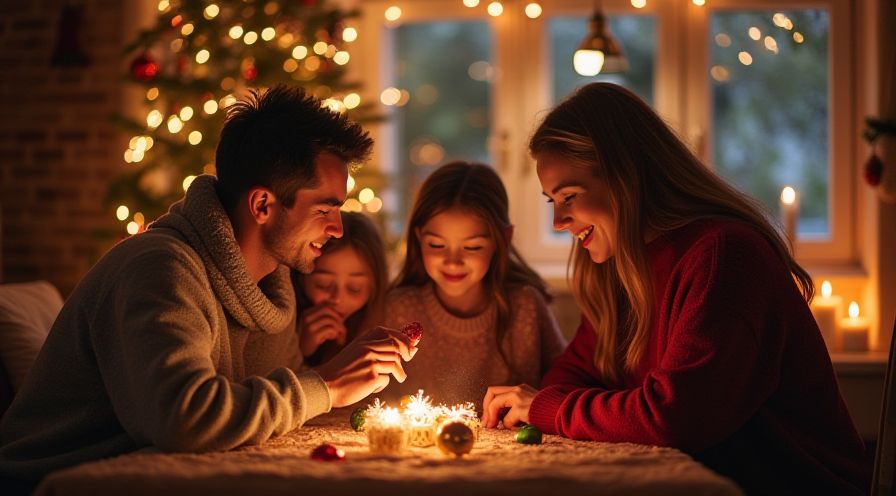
x=359 y=415
x=528 y=434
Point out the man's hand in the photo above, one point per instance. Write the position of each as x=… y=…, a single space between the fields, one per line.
x=517 y=398
x=364 y=366
x=319 y=324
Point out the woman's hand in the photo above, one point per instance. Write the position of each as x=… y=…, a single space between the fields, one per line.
x=319 y=324
x=517 y=398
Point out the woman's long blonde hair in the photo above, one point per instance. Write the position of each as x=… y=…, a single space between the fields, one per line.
x=655 y=185
x=477 y=189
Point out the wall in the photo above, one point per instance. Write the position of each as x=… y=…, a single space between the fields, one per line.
x=58 y=148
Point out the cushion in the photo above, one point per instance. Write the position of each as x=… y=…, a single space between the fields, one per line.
x=27 y=311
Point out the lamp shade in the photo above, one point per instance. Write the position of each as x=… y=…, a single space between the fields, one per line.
x=599 y=51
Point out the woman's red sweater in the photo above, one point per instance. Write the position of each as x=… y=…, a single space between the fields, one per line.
x=735 y=372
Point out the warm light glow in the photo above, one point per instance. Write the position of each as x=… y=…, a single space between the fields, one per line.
x=471 y=3
x=320 y=47
x=202 y=56
x=122 y=212
x=350 y=184
x=754 y=33
x=341 y=57
x=588 y=62
x=853 y=310
x=290 y=65
x=745 y=58
x=236 y=32
x=798 y=37
x=153 y=119
x=186 y=29
x=186 y=113
x=770 y=44
x=533 y=10
x=195 y=137
x=723 y=40
x=312 y=63
x=152 y=94
x=788 y=24
x=826 y=289
x=175 y=124
x=250 y=38
x=374 y=205
x=139 y=219
x=267 y=34
x=352 y=205
x=365 y=195
x=187 y=182
x=334 y=105
x=390 y=96
x=228 y=101
x=495 y=9
x=788 y=195
x=299 y=52
x=349 y=35
x=639 y=4
x=352 y=100
x=392 y=14
x=210 y=106
x=720 y=73
x=133 y=228
x=699 y=3
x=211 y=11
x=163 y=5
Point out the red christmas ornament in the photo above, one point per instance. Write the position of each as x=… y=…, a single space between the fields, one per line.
x=250 y=73
x=144 y=68
x=413 y=330
x=874 y=169
x=327 y=453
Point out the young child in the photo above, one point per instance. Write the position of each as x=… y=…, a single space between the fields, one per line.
x=344 y=294
x=482 y=307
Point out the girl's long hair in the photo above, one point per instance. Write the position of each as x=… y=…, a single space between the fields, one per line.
x=655 y=184
x=361 y=235
x=477 y=189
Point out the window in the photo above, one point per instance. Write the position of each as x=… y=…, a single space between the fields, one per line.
x=784 y=119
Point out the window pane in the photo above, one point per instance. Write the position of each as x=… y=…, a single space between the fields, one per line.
x=769 y=77
x=635 y=33
x=445 y=70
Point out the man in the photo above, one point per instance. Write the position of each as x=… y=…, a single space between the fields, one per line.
x=182 y=337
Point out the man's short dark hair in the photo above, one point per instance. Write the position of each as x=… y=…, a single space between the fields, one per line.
x=271 y=139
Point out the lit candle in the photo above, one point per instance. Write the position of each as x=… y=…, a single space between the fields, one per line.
x=854 y=330
x=386 y=434
x=827 y=310
x=790 y=211
x=421 y=417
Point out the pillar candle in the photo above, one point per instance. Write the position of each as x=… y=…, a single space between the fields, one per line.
x=827 y=310
x=790 y=211
x=854 y=330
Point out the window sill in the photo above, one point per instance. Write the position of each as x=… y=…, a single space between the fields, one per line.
x=860 y=363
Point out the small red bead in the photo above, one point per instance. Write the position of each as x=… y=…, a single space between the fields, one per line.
x=413 y=330
x=327 y=453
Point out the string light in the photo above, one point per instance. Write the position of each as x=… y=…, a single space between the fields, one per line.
x=174 y=124
x=471 y=3
x=163 y=5
x=250 y=38
x=754 y=33
x=187 y=182
x=798 y=37
x=374 y=205
x=153 y=119
x=236 y=32
x=352 y=100
x=771 y=45
x=745 y=58
x=122 y=212
x=533 y=10
x=639 y=4
x=186 y=113
x=495 y=9
x=390 y=96
x=723 y=40
x=365 y=195
x=210 y=106
x=341 y=57
x=320 y=47
x=268 y=34
x=152 y=94
x=133 y=228
x=186 y=29
x=350 y=184
x=392 y=14
x=211 y=11
x=349 y=35
x=195 y=138
x=699 y=3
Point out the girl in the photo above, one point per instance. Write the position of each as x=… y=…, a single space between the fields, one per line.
x=482 y=307
x=345 y=292
x=696 y=332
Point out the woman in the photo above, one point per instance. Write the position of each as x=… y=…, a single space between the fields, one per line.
x=696 y=331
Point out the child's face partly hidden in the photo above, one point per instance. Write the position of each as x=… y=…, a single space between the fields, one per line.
x=581 y=204
x=457 y=251
x=341 y=279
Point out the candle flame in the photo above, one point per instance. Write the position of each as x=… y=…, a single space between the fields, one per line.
x=788 y=195
x=826 y=289
x=853 y=310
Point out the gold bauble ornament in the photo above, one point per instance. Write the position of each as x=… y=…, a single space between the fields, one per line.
x=455 y=438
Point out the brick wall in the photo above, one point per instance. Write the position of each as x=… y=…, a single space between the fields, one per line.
x=58 y=149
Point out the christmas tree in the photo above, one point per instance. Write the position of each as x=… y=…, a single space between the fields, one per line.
x=199 y=58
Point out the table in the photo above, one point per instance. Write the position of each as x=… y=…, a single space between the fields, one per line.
x=497 y=465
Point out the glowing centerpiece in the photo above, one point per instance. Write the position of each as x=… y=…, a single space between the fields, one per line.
x=465 y=414
x=386 y=433
x=420 y=417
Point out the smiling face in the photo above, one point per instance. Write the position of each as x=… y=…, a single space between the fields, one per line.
x=296 y=234
x=457 y=249
x=341 y=279
x=581 y=204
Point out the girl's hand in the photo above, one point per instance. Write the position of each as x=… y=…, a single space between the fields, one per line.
x=517 y=398
x=319 y=324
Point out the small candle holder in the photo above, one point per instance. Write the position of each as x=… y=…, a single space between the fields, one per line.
x=386 y=433
x=420 y=418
